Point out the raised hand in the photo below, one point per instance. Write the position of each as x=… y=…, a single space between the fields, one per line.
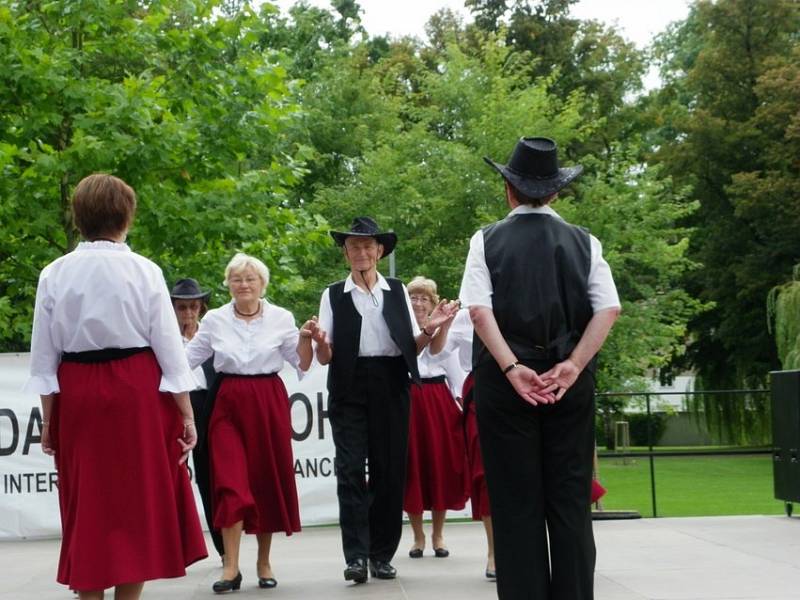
x=444 y=312
x=311 y=329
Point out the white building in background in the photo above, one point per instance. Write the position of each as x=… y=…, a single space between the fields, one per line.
x=673 y=389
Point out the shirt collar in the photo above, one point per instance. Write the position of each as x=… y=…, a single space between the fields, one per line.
x=350 y=285
x=526 y=209
x=103 y=245
x=232 y=312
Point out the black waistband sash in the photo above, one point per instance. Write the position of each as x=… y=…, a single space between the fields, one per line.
x=378 y=360
x=251 y=376
x=102 y=355
x=437 y=379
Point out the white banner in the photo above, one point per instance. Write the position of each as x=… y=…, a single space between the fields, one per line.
x=28 y=480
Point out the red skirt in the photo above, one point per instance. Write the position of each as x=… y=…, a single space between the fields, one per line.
x=252 y=464
x=437 y=475
x=479 y=494
x=127 y=510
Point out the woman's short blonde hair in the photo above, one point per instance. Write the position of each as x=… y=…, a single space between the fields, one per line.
x=242 y=261
x=423 y=285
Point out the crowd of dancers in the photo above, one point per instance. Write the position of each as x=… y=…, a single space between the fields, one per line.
x=132 y=378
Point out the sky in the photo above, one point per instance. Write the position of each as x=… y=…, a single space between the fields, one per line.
x=638 y=20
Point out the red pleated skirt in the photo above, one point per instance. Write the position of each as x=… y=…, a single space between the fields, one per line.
x=479 y=493
x=252 y=464
x=437 y=476
x=127 y=510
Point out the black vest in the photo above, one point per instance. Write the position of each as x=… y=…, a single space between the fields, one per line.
x=539 y=267
x=347 y=333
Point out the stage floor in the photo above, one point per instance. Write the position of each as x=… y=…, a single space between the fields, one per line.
x=719 y=558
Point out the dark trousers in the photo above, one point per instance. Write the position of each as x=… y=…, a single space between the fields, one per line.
x=202 y=466
x=538 y=463
x=370 y=423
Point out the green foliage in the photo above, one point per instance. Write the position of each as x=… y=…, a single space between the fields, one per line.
x=428 y=182
x=726 y=126
x=637 y=215
x=638 y=423
x=177 y=98
x=783 y=305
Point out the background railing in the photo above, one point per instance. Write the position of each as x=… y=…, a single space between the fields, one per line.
x=644 y=406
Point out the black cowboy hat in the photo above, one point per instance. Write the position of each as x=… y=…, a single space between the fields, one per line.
x=533 y=168
x=188 y=289
x=366 y=227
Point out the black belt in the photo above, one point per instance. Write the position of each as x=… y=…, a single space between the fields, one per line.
x=379 y=359
x=437 y=379
x=102 y=355
x=250 y=376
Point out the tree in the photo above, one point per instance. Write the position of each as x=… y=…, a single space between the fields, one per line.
x=178 y=100
x=784 y=310
x=720 y=113
x=583 y=56
x=430 y=184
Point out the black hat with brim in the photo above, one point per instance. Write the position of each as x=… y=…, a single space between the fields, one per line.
x=188 y=289
x=367 y=227
x=533 y=168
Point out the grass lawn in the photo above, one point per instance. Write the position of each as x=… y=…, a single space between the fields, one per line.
x=691 y=486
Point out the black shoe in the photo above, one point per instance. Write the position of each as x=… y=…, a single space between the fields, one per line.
x=441 y=552
x=228 y=585
x=381 y=569
x=491 y=574
x=415 y=553
x=356 y=570
x=267 y=582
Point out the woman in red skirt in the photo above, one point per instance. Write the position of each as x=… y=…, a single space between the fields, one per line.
x=459 y=342
x=250 y=433
x=437 y=475
x=104 y=343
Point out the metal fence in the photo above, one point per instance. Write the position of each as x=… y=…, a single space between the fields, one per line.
x=651 y=454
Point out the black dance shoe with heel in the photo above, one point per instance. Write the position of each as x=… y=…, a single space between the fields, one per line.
x=381 y=569
x=415 y=553
x=356 y=571
x=441 y=552
x=228 y=585
x=267 y=583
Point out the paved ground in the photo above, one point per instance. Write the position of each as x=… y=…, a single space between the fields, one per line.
x=721 y=558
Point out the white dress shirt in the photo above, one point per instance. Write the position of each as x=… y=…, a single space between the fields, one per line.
x=102 y=295
x=199 y=374
x=459 y=339
x=240 y=347
x=375 y=337
x=445 y=363
x=476 y=286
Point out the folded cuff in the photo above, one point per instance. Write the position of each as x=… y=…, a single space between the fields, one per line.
x=41 y=385
x=180 y=382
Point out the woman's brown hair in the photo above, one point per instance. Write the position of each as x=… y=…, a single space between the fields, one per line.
x=102 y=205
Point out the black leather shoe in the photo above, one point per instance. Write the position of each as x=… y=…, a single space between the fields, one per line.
x=228 y=585
x=491 y=574
x=356 y=570
x=415 y=553
x=267 y=582
x=381 y=569
x=441 y=552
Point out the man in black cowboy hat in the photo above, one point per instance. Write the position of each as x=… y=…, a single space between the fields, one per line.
x=367 y=332
x=542 y=300
x=190 y=303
